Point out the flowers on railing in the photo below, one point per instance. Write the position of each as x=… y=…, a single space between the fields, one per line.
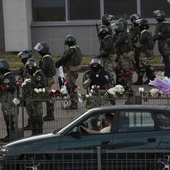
x=117 y=91
x=39 y=90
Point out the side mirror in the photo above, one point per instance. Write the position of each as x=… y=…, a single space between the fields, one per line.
x=74 y=131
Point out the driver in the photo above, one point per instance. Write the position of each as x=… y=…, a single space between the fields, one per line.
x=108 y=122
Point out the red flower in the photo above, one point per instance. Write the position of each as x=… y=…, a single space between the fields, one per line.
x=74 y=86
x=2 y=86
x=96 y=90
x=51 y=93
x=127 y=74
x=72 y=96
x=57 y=92
x=104 y=86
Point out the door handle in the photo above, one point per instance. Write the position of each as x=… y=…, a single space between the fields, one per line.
x=151 y=139
x=105 y=142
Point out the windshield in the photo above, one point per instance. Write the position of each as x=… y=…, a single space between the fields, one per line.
x=61 y=130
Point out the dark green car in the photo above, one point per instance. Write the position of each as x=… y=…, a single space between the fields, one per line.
x=133 y=127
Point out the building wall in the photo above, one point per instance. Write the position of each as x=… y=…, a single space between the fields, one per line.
x=86 y=36
x=18 y=31
x=17 y=20
x=2 y=43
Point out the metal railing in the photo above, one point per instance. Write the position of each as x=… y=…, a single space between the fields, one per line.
x=64 y=116
x=90 y=159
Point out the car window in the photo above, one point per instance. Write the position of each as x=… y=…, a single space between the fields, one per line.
x=164 y=120
x=135 y=121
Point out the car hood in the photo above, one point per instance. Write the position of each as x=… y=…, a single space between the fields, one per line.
x=43 y=142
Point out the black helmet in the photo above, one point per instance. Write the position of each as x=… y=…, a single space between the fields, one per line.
x=134 y=17
x=42 y=47
x=32 y=62
x=143 y=24
x=24 y=55
x=119 y=27
x=4 y=65
x=103 y=29
x=70 y=40
x=159 y=15
x=106 y=18
x=124 y=21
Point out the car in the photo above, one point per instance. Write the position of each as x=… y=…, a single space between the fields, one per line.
x=133 y=127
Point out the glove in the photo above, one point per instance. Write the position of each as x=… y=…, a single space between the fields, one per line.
x=106 y=77
x=86 y=83
x=16 y=101
x=25 y=82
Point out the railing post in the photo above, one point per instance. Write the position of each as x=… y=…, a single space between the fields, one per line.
x=99 y=158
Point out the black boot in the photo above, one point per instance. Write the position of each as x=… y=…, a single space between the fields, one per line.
x=37 y=126
x=146 y=82
x=28 y=126
x=50 y=112
x=10 y=124
x=138 y=82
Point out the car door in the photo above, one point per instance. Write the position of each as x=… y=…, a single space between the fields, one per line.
x=136 y=130
x=83 y=140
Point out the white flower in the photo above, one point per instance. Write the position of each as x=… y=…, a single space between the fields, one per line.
x=112 y=91
x=160 y=74
x=154 y=91
x=90 y=94
x=141 y=89
x=39 y=90
x=36 y=90
x=43 y=89
x=87 y=96
x=93 y=86
x=119 y=88
x=63 y=90
x=98 y=87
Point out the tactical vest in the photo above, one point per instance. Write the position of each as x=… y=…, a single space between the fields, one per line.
x=98 y=79
x=52 y=69
x=76 y=58
x=158 y=27
x=149 y=44
x=102 y=44
x=126 y=46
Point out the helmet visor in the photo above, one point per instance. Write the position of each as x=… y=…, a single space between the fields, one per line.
x=22 y=55
x=157 y=13
x=32 y=63
x=38 y=47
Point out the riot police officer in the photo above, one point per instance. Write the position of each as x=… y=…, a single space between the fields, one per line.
x=162 y=35
x=24 y=56
x=46 y=64
x=71 y=59
x=107 y=52
x=125 y=52
x=106 y=20
x=96 y=77
x=135 y=32
x=145 y=47
x=35 y=80
x=7 y=84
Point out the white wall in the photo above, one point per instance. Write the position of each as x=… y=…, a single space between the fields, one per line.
x=17 y=20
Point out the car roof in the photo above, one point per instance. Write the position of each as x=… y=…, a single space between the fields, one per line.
x=131 y=107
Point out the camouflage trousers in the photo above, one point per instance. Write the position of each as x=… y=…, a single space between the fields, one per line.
x=34 y=109
x=96 y=101
x=72 y=87
x=8 y=107
x=109 y=66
